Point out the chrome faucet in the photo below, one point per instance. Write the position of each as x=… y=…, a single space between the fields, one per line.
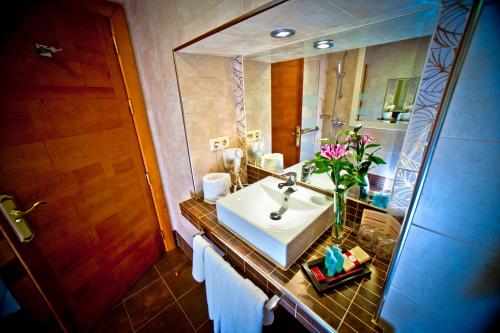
x=291 y=181
x=307 y=170
x=284 y=204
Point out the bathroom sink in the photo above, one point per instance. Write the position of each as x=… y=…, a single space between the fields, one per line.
x=247 y=213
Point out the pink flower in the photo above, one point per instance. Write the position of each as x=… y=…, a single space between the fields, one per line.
x=334 y=151
x=353 y=143
x=367 y=138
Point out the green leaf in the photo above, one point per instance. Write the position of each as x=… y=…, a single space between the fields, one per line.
x=358 y=127
x=361 y=181
x=372 y=145
x=375 y=159
x=345 y=132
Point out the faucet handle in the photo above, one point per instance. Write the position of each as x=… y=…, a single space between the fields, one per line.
x=292 y=176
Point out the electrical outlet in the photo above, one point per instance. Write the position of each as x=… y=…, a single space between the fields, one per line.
x=253 y=135
x=219 y=143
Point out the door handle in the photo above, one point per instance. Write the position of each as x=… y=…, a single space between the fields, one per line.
x=20 y=213
x=16 y=218
x=297 y=133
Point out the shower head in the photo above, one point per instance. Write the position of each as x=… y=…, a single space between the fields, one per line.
x=339 y=67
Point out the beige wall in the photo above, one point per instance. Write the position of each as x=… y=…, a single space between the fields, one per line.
x=206 y=85
x=343 y=107
x=257 y=85
x=403 y=59
x=156 y=27
x=391 y=140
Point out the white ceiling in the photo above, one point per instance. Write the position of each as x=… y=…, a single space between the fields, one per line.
x=350 y=23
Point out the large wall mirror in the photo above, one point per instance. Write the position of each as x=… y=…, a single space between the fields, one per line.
x=295 y=93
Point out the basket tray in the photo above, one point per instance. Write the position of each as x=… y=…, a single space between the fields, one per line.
x=334 y=281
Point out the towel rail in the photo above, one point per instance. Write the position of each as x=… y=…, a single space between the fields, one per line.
x=272 y=303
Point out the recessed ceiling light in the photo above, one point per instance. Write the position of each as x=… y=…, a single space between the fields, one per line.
x=282 y=33
x=323 y=44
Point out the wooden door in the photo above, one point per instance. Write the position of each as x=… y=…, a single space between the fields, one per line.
x=23 y=307
x=286 y=108
x=67 y=137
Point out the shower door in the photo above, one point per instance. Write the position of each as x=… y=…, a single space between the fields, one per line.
x=67 y=137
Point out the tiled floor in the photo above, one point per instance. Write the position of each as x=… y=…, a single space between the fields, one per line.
x=168 y=299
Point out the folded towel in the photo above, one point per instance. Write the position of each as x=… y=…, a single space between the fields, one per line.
x=260 y=298
x=234 y=304
x=199 y=246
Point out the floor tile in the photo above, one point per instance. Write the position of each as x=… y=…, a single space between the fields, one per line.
x=116 y=320
x=171 y=320
x=195 y=306
x=180 y=280
x=148 y=302
x=150 y=276
x=170 y=260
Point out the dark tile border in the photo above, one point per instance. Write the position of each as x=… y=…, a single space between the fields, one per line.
x=318 y=313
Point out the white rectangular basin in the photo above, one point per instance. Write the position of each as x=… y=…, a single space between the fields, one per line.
x=247 y=213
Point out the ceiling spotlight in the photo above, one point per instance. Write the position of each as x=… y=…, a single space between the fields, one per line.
x=282 y=33
x=323 y=44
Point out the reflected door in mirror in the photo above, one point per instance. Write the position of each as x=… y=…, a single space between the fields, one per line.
x=286 y=104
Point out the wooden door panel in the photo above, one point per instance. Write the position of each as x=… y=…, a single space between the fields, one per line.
x=286 y=104
x=67 y=137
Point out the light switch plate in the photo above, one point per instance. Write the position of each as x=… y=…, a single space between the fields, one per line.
x=254 y=135
x=219 y=143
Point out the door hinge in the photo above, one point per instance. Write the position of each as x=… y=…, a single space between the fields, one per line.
x=147 y=179
x=115 y=44
x=162 y=235
x=131 y=108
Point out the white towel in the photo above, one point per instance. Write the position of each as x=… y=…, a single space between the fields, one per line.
x=234 y=304
x=199 y=246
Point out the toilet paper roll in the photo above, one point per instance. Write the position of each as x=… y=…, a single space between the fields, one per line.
x=272 y=162
x=215 y=186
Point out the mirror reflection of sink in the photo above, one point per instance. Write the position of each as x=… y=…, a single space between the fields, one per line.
x=247 y=213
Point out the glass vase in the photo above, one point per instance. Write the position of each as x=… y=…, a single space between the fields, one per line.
x=339 y=215
x=363 y=189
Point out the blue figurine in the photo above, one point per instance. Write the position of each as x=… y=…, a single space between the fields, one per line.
x=339 y=267
x=330 y=262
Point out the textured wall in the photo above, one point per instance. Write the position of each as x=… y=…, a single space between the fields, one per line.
x=447 y=278
x=156 y=27
x=206 y=84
